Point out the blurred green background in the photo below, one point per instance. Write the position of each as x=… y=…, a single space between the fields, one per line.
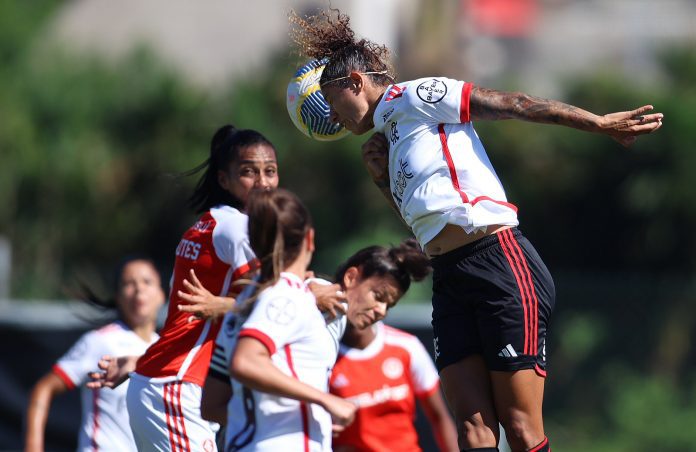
x=91 y=148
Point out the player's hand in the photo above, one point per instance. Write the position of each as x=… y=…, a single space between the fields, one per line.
x=330 y=298
x=375 y=155
x=626 y=126
x=342 y=411
x=114 y=371
x=200 y=302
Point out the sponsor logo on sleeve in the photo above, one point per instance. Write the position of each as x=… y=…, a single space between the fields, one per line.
x=400 y=181
x=387 y=115
x=432 y=91
x=394 y=133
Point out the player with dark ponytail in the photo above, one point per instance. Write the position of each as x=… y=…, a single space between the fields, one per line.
x=492 y=293
x=165 y=390
x=382 y=369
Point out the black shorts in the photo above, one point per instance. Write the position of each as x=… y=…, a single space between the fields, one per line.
x=492 y=297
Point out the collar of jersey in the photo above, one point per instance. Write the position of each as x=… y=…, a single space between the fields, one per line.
x=292 y=276
x=371 y=350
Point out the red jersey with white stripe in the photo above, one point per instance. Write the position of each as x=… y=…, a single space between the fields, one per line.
x=217 y=248
x=439 y=171
x=287 y=321
x=104 y=423
x=383 y=380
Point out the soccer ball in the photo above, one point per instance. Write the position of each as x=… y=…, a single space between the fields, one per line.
x=307 y=107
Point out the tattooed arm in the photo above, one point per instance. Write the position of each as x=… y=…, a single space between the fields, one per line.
x=624 y=127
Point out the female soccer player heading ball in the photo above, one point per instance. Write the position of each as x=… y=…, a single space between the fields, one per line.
x=492 y=293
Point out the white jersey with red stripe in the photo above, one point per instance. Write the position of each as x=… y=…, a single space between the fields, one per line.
x=286 y=320
x=104 y=424
x=439 y=171
x=383 y=380
x=217 y=248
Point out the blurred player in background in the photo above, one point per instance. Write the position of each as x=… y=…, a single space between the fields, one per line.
x=492 y=293
x=104 y=425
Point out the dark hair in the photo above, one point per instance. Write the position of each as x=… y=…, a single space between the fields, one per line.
x=405 y=263
x=224 y=149
x=89 y=296
x=278 y=222
x=328 y=35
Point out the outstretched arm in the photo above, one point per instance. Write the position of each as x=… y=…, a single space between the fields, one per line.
x=624 y=127
x=43 y=393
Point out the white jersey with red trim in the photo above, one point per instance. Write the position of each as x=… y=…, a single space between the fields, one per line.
x=220 y=362
x=286 y=320
x=439 y=171
x=217 y=248
x=383 y=380
x=104 y=424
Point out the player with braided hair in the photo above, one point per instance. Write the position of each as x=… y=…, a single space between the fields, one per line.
x=492 y=294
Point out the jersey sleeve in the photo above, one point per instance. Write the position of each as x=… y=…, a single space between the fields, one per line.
x=81 y=359
x=231 y=243
x=423 y=373
x=277 y=320
x=440 y=100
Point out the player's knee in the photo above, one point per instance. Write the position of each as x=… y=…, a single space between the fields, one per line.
x=521 y=431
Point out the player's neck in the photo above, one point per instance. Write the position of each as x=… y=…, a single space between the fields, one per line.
x=359 y=339
x=144 y=331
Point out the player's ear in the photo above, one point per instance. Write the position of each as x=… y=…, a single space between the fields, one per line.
x=357 y=79
x=351 y=277
x=223 y=180
x=309 y=237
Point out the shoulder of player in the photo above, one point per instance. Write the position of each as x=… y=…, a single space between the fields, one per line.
x=416 y=91
x=110 y=329
x=284 y=288
x=227 y=216
x=396 y=337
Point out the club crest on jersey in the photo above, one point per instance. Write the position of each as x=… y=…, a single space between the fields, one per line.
x=341 y=381
x=432 y=91
x=281 y=311
x=392 y=368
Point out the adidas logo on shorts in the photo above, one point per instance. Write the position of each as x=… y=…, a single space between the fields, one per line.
x=508 y=352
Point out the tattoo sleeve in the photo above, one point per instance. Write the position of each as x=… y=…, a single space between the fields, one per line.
x=488 y=104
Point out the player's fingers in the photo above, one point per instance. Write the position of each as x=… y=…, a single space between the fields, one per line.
x=641 y=110
x=184 y=295
x=190 y=287
x=195 y=280
x=646 y=119
x=338 y=306
x=335 y=428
